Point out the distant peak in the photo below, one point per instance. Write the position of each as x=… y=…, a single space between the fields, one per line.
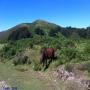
x=40 y=21
x=43 y=23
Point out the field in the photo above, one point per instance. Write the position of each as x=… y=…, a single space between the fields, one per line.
x=25 y=78
x=31 y=75
x=28 y=79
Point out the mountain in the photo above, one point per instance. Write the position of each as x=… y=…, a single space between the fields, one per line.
x=26 y=30
x=44 y=24
x=41 y=27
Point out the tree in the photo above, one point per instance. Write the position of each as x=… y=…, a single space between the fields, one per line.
x=39 y=31
x=19 y=33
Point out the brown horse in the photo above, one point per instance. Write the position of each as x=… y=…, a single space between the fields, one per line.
x=47 y=55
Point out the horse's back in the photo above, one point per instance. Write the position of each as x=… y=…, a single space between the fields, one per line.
x=50 y=52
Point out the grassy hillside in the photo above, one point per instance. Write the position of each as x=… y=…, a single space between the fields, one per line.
x=19 y=30
x=28 y=80
x=20 y=54
x=41 y=27
x=68 y=43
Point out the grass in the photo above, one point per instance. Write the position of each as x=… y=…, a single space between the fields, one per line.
x=23 y=77
x=81 y=46
x=1 y=46
x=25 y=80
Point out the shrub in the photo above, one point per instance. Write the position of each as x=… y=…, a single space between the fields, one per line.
x=8 y=51
x=31 y=45
x=86 y=66
x=39 y=31
x=6 y=48
x=82 y=56
x=54 y=32
x=19 y=33
x=36 y=66
x=69 y=67
x=87 y=48
x=69 y=53
x=58 y=46
x=20 y=59
x=69 y=43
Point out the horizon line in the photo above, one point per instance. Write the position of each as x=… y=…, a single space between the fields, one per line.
x=72 y=26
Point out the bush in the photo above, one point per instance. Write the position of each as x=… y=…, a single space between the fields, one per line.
x=39 y=31
x=20 y=33
x=69 y=67
x=86 y=66
x=20 y=59
x=58 y=46
x=6 y=48
x=69 y=53
x=82 y=56
x=36 y=66
x=31 y=45
x=69 y=43
x=87 y=48
x=8 y=51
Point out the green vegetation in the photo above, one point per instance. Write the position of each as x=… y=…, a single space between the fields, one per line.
x=20 y=49
x=19 y=33
x=40 y=27
x=21 y=76
x=70 y=44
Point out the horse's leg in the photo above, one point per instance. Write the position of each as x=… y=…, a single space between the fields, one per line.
x=50 y=61
x=43 y=63
x=46 y=63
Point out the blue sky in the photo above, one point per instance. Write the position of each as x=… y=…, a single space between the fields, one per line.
x=75 y=13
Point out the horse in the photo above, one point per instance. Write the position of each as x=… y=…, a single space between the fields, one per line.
x=47 y=55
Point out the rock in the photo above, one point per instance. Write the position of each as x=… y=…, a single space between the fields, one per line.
x=67 y=76
x=3 y=85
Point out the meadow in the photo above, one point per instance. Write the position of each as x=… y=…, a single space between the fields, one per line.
x=20 y=52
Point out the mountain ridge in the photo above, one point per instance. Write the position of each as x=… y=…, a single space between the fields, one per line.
x=42 y=26
x=33 y=25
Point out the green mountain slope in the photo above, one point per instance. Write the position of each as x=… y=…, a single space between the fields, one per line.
x=41 y=27
x=26 y=30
